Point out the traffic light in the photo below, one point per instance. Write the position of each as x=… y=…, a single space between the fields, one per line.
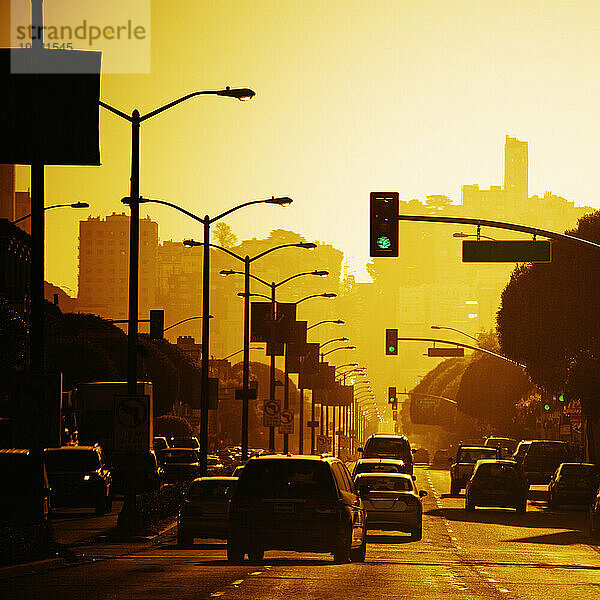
x=157 y=324
x=392 y=399
x=391 y=341
x=384 y=207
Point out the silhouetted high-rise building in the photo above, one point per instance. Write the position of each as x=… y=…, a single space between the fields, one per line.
x=104 y=266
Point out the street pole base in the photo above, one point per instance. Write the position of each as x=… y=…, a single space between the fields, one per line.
x=129 y=521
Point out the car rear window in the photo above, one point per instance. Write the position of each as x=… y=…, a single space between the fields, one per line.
x=71 y=460
x=387 y=447
x=286 y=479
x=547 y=449
x=568 y=470
x=386 y=484
x=380 y=467
x=475 y=454
x=209 y=489
x=496 y=471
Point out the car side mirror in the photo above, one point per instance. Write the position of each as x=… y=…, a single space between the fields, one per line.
x=413 y=451
x=422 y=493
x=360 y=450
x=414 y=477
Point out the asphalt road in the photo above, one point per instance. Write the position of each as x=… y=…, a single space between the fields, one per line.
x=486 y=555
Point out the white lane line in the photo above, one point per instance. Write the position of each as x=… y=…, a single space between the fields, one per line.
x=237 y=582
x=256 y=573
x=217 y=594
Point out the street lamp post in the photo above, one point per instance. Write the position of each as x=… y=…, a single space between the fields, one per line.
x=71 y=205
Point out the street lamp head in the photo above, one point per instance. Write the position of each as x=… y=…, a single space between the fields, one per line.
x=242 y=94
x=435 y=327
x=281 y=201
x=320 y=273
x=339 y=321
x=227 y=272
x=328 y=295
x=79 y=205
x=460 y=234
x=307 y=245
x=191 y=243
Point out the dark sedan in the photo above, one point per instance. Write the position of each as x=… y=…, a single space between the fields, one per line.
x=573 y=483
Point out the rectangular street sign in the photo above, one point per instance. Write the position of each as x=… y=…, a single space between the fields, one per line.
x=133 y=423
x=252 y=394
x=445 y=351
x=507 y=251
x=286 y=421
x=271 y=413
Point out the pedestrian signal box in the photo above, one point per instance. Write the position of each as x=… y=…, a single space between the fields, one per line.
x=383 y=234
x=391 y=341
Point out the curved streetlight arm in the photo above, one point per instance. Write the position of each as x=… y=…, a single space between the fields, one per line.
x=242 y=295
x=340 y=348
x=298 y=275
x=185 y=321
x=336 y=321
x=127 y=200
x=239 y=352
x=316 y=296
x=230 y=272
x=414 y=339
x=175 y=103
x=453 y=329
x=116 y=111
x=299 y=245
x=68 y=205
x=227 y=212
x=345 y=339
x=500 y=225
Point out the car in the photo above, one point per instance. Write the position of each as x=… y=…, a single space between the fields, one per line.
x=421 y=455
x=204 y=512
x=441 y=459
x=379 y=465
x=237 y=471
x=214 y=466
x=496 y=482
x=573 y=483
x=179 y=464
x=296 y=502
x=392 y=502
x=519 y=453
x=388 y=446
x=25 y=491
x=79 y=477
x=148 y=474
x=542 y=458
x=185 y=442
x=506 y=445
x=462 y=467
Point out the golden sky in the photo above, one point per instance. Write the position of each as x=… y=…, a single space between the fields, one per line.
x=351 y=96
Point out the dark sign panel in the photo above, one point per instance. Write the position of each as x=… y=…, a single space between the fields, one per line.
x=507 y=251
x=260 y=321
x=285 y=322
x=445 y=351
x=49 y=110
x=296 y=345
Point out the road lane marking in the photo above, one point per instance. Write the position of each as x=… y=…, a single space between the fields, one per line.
x=256 y=573
x=217 y=594
x=237 y=582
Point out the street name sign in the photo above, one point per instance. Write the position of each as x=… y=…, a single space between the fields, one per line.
x=507 y=251
x=445 y=351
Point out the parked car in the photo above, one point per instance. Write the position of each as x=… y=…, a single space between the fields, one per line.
x=159 y=443
x=542 y=459
x=214 y=465
x=379 y=465
x=506 y=445
x=79 y=477
x=25 y=491
x=148 y=475
x=301 y=503
x=441 y=459
x=573 y=483
x=388 y=446
x=392 y=502
x=179 y=464
x=185 y=442
x=462 y=468
x=496 y=483
x=237 y=471
x=205 y=510
x=519 y=453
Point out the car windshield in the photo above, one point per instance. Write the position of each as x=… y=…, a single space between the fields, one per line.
x=210 y=489
x=472 y=455
x=496 y=471
x=381 y=467
x=522 y=448
x=184 y=443
x=386 y=484
x=71 y=460
x=286 y=479
x=179 y=456
x=547 y=449
x=386 y=446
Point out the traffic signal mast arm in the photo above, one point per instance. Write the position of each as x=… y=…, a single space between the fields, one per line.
x=428 y=396
x=460 y=345
x=500 y=225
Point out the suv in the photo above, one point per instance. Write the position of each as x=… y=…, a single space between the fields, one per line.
x=507 y=445
x=543 y=458
x=462 y=469
x=79 y=477
x=301 y=503
x=389 y=446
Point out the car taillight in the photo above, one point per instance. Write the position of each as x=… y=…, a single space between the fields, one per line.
x=322 y=507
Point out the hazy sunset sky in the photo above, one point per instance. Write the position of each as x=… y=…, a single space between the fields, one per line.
x=351 y=96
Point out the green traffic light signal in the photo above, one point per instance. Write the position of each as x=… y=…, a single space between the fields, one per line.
x=391 y=349
x=546 y=407
x=384 y=242
x=561 y=398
